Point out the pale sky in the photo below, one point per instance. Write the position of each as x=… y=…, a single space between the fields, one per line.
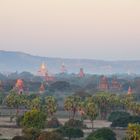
x=98 y=29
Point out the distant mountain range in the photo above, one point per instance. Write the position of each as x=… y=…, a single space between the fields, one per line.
x=18 y=61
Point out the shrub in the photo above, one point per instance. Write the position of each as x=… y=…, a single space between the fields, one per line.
x=102 y=134
x=75 y=124
x=123 y=121
x=135 y=119
x=19 y=138
x=133 y=132
x=34 y=119
x=117 y=114
x=53 y=123
x=70 y=132
x=50 y=136
x=31 y=133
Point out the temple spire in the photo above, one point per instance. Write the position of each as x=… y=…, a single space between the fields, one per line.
x=63 y=69
x=103 y=84
x=42 y=88
x=43 y=70
x=81 y=73
x=129 y=91
x=19 y=86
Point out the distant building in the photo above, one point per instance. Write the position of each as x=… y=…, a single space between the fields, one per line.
x=103 y=84
x=63 y=69
x=129 y=91
x=19 y=86
x=43 y=72
x=115 y=85
x=81 y=73
x=42 y=88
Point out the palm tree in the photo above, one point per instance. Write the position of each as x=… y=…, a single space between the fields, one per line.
x=51 y=105
x=91 y=110
x=14 y=100
x=72 y=105
x=103 y=102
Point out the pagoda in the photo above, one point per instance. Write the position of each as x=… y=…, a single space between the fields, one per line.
x=63 y=69
x=81 y=73
x=43 y=72
x=129 y=91
x=115 y=85
x=19 y=86
x=103 y=84
x=42 y=88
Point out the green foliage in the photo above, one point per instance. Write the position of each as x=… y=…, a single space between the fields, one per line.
x=135 y=119
x=91 y=108
x=35 y=103
x=34 y=119
x=53 y=123
x=133 y=132
x=123 y=121
x=31 y=133
x=102 y=134
x=71 y=132
x=20 y=138
x=60 y=85
x=74 y=124
x=51 y=105
x=1 y=97
x=15 y=100
x=50 y=136
x=105 y=102
x=72 y=104
x=117 y=114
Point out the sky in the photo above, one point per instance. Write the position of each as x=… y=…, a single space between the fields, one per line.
x=94 y=29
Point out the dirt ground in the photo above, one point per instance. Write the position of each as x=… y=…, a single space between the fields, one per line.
x=8 y=132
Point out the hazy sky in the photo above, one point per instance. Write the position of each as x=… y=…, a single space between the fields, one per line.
x=99 y=29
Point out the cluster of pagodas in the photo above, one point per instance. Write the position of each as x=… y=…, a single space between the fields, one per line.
x=47 y=77
x=104 y=85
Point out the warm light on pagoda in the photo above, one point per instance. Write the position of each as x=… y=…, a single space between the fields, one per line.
x=129 y=91
x=42 y=71
x=19 y=86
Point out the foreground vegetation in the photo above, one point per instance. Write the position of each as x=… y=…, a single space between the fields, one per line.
x=39 y=114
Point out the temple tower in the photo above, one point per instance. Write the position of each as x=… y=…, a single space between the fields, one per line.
x=115 y=85
x=103 y=84
x=81 y=73
x=63 y=69
x=42 y=88
x=43 y=72
x=19 y=86
x=129 y=91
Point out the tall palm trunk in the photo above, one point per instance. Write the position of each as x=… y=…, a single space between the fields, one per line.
x=92 y=125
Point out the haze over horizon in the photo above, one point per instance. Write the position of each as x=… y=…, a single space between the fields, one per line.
x=105 y=30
